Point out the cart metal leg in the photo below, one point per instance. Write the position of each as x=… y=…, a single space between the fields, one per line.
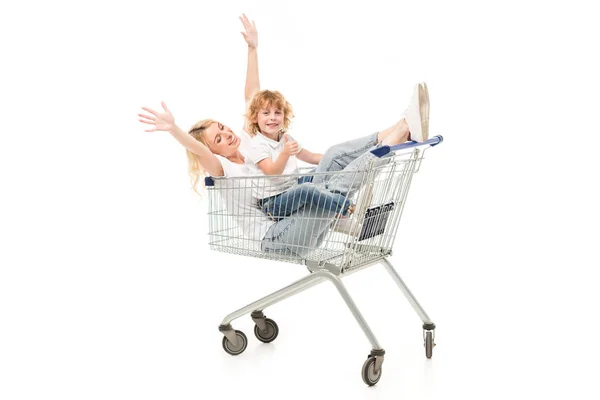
x=428 y=325
x=297 y=287
x=266 y=330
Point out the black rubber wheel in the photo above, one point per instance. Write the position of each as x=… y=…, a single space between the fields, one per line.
x=428 y=344
x=269 y=334
x=368 y=372
x=241 y=344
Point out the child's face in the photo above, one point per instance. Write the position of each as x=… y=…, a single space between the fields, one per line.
x=221 y=140
x=270 y=121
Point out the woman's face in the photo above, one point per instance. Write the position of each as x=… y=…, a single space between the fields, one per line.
x=221 y=140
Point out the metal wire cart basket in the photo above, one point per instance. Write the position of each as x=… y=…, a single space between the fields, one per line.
x=348 y=245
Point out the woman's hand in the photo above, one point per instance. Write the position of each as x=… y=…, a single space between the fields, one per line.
x=160 y=121
x=165 y=122
x=251 y=35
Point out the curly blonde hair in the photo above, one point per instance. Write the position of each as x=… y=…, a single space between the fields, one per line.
x=195 y=170
x=265 y=99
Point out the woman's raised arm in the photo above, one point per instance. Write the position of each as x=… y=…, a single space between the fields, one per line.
x=251 y=37
x=166 y=122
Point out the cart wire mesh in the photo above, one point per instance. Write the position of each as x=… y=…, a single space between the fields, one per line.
x=363 y=237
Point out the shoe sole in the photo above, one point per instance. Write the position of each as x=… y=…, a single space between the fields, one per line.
x=414 y=115
x=426 y=95
x=424 y=110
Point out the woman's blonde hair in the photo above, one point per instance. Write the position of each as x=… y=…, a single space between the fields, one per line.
x=264 y=99
x=195 y=170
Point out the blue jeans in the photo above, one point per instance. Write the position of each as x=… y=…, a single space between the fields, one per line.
x=305 y=229
x=305 y=194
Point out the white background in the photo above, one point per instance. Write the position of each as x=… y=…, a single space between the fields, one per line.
x=108 y=289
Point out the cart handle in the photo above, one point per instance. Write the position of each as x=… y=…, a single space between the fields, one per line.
x=379 y=152
x=383 y=150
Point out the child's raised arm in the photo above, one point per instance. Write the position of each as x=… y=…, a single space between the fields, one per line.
x=166 y=122
x=251 y=37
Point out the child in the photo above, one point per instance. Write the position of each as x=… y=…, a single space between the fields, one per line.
x=275 y=152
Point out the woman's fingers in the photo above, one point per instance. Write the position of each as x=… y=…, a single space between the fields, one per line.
x=164 y=106
x=149 y=123
x=151 y=111
x=151 y=119
x=145 y=121
x=146 y=116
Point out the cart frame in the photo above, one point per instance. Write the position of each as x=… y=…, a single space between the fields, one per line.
x=350 y=245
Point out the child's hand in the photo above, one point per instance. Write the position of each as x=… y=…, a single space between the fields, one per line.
x=161 y=121
x=291 y=146
x=251 y=34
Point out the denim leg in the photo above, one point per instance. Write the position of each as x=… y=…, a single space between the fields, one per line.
x=338 y=156
x=299 y=233
x=306 y=194
x=306 y=178
x=354 y=173
x=305 y=229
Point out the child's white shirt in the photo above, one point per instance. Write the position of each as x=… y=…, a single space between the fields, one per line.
x=262 y=147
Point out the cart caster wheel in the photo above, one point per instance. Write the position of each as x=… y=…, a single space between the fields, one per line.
x=429 y=344
x=241 y=344
x=368 y=372
x=268 y=335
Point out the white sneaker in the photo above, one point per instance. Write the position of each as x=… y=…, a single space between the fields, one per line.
x=413 y=98
x=353 y=226
x=349 y=226
x=415 y=117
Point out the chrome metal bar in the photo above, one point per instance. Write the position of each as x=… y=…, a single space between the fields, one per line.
x=411 y=299
x=275 y=297
x=304 y=284
x=352 y=306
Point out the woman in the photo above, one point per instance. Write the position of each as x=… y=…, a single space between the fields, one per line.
x=214 y=149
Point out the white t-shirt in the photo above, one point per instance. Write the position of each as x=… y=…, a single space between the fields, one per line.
x=263 y=147
x=238 y=197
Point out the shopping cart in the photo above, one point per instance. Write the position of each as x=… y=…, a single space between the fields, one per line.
x=349 y=244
